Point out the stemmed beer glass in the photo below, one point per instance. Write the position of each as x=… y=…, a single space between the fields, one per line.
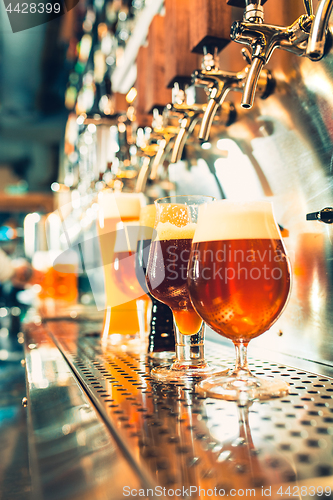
x=239 y=282
x=175 y=224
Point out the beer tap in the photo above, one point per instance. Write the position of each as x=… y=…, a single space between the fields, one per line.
x=263 y=39
x=220 y=83
x=164 y=134
x=190 y=116
x=319 y=30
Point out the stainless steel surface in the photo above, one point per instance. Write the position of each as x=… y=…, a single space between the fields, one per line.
x=72 y=453
x=317 y=38
x=181 y=440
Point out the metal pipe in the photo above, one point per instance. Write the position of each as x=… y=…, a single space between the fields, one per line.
x=251 y=82
x=179 y=143
x=317 y=38
x=207 y=119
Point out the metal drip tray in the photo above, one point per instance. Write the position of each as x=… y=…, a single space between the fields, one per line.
x=200 y=447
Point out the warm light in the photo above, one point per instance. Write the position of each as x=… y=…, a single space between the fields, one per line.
x=131 y=95
x=91 y=128
x=80 y=120
x=122 y=128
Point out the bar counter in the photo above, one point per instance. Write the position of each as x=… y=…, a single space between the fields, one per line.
x=101 y=428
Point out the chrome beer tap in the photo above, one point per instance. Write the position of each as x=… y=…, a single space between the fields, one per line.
x=219 y=83
x=164 y=135
x=263 y=39
x=319 y=30
x=191 y=115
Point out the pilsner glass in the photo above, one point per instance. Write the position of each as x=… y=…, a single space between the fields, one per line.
x=161 y=342
x=175 y=224
x=239 y=283
x=122 y=315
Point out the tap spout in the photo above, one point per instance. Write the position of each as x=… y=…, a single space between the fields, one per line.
x=219 y=84
x=217 y=97
x=251 y=82
x=179 y=143
x=143 y=176
x=187 y=126
x=318 y=34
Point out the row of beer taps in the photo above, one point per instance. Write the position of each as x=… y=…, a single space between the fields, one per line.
x=308 y=36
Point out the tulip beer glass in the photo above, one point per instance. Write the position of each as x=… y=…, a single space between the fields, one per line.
x=175 y=224
x=239 y=283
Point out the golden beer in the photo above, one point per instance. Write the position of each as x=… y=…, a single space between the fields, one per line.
x=121 y=313
x=58 y=282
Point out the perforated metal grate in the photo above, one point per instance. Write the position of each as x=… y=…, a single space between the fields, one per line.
x=185 y=440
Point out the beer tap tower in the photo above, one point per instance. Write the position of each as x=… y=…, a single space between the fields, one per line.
x=305 y=37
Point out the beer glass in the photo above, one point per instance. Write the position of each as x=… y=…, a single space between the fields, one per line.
x=175 y=224
x=161 y=341
x=122 y=316
x=239 y=282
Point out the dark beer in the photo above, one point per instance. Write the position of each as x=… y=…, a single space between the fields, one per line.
x=167 y=281
x=161 y=332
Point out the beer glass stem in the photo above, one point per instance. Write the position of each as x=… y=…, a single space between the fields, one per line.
x=241 y=366
x=190 y=348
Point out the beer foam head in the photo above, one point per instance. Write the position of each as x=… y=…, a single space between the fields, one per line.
x=174 y=221
x=228 y=220
x=115 y=205
x=168 y=231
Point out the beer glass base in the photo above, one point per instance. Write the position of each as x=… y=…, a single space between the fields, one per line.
x=182 y=372
x=163 y=355
x=242 y=389
x=125 y=342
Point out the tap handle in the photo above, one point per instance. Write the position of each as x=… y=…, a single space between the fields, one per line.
x=324 y=215
x=308 y=7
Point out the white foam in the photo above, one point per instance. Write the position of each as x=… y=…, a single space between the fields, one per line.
x=116 y=205
x=228 y=220
x=168 y=231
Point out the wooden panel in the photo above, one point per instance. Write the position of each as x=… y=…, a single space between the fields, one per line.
x=29 y=202
x=241 y=3
x=119 y=102
x=210 y=22
x=157 y=94
x=179 y=61
x=142 y=118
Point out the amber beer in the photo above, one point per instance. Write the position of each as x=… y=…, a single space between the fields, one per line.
x=167 y=273
x=124 y=273
x=239 y=277
x=58 y=280
x=121 y=313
